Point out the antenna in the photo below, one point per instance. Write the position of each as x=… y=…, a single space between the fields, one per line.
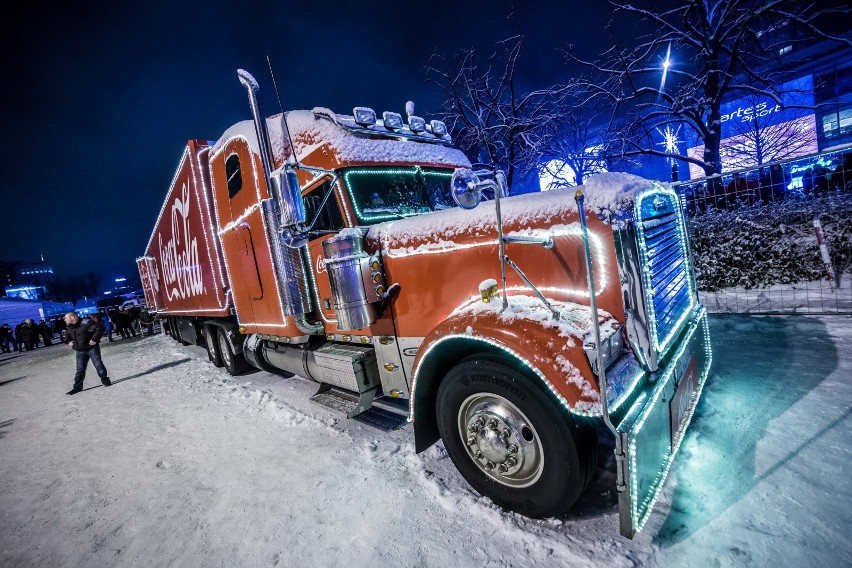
x=283 y=115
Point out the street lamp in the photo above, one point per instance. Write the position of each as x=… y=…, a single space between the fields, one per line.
x=670 y=144
x=666 y=64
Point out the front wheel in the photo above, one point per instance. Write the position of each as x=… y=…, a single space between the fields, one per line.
x=510 y=440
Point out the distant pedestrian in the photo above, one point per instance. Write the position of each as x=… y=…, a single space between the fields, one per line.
x=59 y=326
x=7 y=338
x=125 y=323
x=19 y=342
x=108 y=325
x=146 y=320
x=46 y=333
x=28 y=335
x=84 y=338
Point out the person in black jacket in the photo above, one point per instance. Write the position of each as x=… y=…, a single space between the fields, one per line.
x=28 y=335
x=84 y=338
x=46 y=333
x=7 y=338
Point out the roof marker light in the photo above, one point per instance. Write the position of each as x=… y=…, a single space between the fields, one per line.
x=364 y=116
x=416 y=124
x=438 y=128
x=392 y=120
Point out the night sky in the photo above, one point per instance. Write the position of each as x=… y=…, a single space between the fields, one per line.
x=100 y=99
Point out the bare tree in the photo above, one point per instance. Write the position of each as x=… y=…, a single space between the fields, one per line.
x=491 y=118
x=573 y=144
x=696 y=56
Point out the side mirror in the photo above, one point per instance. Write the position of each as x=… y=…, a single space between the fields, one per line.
x=466 y=189
x=286 y=191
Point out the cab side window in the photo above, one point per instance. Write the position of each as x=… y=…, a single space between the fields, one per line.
x=330 y=217
x=234 y=175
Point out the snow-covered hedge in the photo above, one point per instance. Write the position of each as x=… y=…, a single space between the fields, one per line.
x=758 y=246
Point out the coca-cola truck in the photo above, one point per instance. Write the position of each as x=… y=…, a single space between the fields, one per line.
x=363 y=253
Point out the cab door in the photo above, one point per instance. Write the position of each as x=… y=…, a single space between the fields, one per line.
x=240 y=222
x=328 y=223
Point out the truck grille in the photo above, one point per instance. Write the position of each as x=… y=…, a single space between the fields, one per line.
x=662 y=244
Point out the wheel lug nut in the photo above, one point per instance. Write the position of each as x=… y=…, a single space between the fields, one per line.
x=512 y=449
x=489 y=465
x=511 y=462
x=505 y=433
x=472 y=428
x=492 y=424
x=471 y=440
x=502 y=468
x=478 y=455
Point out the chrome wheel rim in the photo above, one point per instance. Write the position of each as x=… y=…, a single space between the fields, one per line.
x=223 y=347
x=500 y=440
x=211 y=347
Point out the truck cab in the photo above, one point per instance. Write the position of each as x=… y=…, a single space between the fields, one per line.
x=359 y=252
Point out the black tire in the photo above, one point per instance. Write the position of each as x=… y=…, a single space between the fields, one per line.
x=235 y=363
x=211 y=340
x=554 y=460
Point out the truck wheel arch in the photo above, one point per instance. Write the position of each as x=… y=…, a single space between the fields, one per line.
x=436 y=361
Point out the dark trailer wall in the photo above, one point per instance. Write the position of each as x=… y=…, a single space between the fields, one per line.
x=13 y=311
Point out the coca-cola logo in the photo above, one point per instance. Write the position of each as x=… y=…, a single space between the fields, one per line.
x=320 y=264
x=179 y=256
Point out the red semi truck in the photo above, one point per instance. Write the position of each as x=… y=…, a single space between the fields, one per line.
x=359 y=252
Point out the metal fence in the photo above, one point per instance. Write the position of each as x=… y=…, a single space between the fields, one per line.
x=775 y=238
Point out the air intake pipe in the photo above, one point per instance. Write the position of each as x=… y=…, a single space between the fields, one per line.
x=287 y=220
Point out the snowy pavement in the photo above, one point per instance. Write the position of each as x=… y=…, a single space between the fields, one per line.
x=179 y=464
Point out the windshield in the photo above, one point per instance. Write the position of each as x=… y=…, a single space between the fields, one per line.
x=385 y=194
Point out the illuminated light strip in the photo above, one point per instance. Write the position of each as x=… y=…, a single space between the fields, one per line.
x=619 y=401
x=194 y=172
x=245 y=215
x=206 y=192
x=276 y=270
x=183 y=159
x=511 y=352
x=316 y=290
x=251 y=159
x=701 y=319
x=219 y=236
x=242 y=217
x=342 y=197
x=378 y=217
x=168 y=194
x=225 y=146
x=661 y=346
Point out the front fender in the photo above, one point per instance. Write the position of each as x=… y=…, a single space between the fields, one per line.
x=545 y=350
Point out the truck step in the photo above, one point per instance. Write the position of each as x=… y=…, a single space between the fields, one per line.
x=381 y=418
x=385 y=414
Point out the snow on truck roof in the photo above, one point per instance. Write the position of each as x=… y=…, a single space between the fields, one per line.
x=311 y=129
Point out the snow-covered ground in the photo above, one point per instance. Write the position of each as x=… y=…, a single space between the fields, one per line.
x=179 y=464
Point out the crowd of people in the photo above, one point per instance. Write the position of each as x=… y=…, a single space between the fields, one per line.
x=769 y=185
x=123 y=322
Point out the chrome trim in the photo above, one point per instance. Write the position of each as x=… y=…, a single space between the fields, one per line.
x=633 y=292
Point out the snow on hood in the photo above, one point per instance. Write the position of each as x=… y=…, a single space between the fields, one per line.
x=311 y=131
x=526 y=214
x=611 y=192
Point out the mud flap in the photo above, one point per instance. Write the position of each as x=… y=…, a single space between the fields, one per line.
x=652 y=431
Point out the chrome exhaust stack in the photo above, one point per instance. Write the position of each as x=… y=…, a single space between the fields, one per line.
x=285 y=220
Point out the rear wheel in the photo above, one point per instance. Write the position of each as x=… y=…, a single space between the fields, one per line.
x=210 y=338
x=510 y=440
x=235 y=363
